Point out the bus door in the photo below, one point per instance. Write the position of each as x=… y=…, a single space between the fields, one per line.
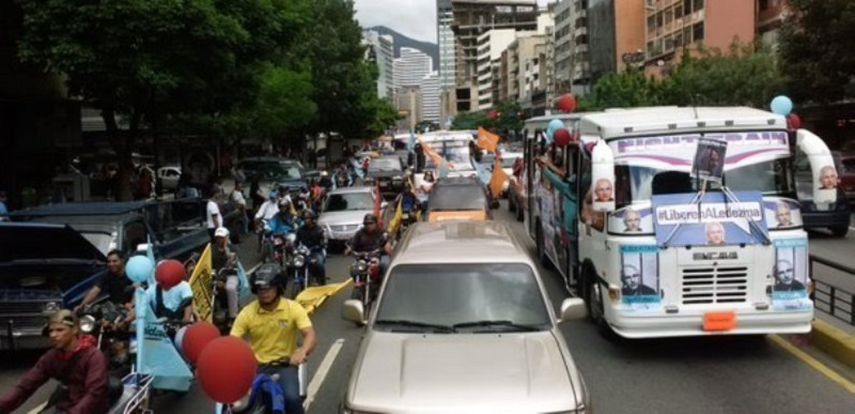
x=559 y=216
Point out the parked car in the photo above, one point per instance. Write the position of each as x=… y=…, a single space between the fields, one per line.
x=835 y=216
x=169 y=176
x=343 y=210
x=388 y=174
x=43 y=268
x=458 y=198
x=273 y=172
x=467 y=328
x=847 y=176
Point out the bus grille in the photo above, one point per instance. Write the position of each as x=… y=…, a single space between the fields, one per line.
x=715 y=285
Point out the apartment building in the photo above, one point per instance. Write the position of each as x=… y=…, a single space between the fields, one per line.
x=616 y=35
x=490 y=46
x=674 y=27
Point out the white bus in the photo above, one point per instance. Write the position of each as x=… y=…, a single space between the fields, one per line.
x=678 y=221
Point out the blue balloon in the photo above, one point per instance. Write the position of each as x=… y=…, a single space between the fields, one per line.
x=554 y=125
x=139 y=269
x=782 y=105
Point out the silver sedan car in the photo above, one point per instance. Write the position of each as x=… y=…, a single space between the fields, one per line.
x=462 y=324
x=343 y=211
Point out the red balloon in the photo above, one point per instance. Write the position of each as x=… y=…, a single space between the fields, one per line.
x=562 y=137
x=197 y=337
x=492 y=114
x=567 y=103
x=226 y=369
x=169 y=273
x=793 y=121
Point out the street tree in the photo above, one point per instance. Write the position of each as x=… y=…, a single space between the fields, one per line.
x=146 y=59
x=623 y=90
x=816 y=50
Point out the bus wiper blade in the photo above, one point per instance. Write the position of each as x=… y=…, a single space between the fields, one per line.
x=502 y=323
x=416 y=324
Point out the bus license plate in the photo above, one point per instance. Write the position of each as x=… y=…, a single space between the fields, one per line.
x=719 y=321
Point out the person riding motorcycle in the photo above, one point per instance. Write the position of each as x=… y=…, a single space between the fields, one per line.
x=223 y=258
x=312 y=236
x=272 y=324
x=371 y=240
x=75 y=361
x=174 y=303
x=283 y=222
x=410 y=203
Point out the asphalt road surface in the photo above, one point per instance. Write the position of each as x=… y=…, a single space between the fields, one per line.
x=697 y=375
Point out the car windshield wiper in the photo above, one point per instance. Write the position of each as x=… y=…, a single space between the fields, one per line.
x=502 y=323
x=415 y=324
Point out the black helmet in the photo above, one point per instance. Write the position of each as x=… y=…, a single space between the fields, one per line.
x=267 y=276
x=370 y=218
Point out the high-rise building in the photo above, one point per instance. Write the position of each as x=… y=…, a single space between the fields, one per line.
x=411 y=67
x=581 y=57
x=616 y=35
x=430 y=89
x=490 y=46
x=564 y=46
x=471 y=19
x=408 y=100
x=676 y=27
x=770 y=16
x=383 y=48
x=445 y=41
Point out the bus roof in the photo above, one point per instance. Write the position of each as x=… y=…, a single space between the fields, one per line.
x=670 y=119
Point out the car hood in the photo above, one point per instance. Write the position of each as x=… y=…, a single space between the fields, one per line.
x=517 y=372
x=385 y=174
x=339 y=218
x=42 y=242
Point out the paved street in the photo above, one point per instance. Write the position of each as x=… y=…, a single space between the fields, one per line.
x=699 y=375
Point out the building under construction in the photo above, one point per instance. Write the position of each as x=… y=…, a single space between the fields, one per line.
x=471 y=19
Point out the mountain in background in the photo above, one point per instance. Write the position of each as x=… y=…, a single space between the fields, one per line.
x=431 y=49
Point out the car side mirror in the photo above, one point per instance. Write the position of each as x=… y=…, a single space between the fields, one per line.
x=353 y=311
x=572 y=309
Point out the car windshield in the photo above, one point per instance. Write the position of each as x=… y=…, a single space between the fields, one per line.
x=459 y=156
x=457 y=197
x=477 y=296
x=272 y=170
x=384 y=164
x=349 y=201
x=101 y=241
x=640 y=183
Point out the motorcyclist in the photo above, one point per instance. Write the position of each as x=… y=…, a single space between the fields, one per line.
x=283 y=222
x=410 y=203
x=75 y=361
x=325 y=181
x=174 y=303
x=222 y=257
x=312 y=236
x=115 y=283
x=272 y=325
x=371 y=240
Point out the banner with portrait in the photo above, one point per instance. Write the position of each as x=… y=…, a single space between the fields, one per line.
x=632 y=221
x=640 y=277
x=782 y=213
x=709 y=159
x=714 y=221
x=791 y=275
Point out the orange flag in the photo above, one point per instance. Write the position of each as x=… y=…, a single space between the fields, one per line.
x=487 y=140
x=434 y=156
x=497 y=181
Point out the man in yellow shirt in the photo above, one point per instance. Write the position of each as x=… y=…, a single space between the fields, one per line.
x=272 y=324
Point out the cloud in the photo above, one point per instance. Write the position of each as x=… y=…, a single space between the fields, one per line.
x=413 y=18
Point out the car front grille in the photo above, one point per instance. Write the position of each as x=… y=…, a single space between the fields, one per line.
x=22 y=314
x=352 y=227
x=704 y=285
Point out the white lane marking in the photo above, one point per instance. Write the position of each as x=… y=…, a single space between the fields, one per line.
x=323 y=370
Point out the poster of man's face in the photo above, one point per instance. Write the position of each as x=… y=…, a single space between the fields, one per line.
x=827 y=178
x=790 y=270
x=639 y=274
x=603 y=191
x=784 y=216
x=709 y=159
x=632 y=221
x=715 y=234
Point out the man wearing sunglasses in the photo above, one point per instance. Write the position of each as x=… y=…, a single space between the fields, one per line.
x=74 y=361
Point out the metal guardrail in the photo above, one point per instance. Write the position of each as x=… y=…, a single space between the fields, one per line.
x=830 y=299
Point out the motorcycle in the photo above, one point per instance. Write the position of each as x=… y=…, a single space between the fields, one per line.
x=365 y=271
x=264 y=397
x=101 y=320
x=219 y=299
x=299 y=269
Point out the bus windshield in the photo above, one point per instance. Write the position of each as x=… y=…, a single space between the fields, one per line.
x=635 y=183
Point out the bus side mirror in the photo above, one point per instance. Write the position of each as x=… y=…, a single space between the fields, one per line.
x=602 y=189
x=823 y=171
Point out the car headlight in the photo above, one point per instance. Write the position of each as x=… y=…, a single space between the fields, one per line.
x=87 y=324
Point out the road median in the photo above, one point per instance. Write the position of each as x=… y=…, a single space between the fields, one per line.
x=834 y=342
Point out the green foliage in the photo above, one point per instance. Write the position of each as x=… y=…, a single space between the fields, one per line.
x=469 y=120
x=816 y=50
x=743 y=76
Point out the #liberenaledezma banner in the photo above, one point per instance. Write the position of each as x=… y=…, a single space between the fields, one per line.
x=713 y=221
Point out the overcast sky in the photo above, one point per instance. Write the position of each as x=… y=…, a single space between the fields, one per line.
x=414 y=18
